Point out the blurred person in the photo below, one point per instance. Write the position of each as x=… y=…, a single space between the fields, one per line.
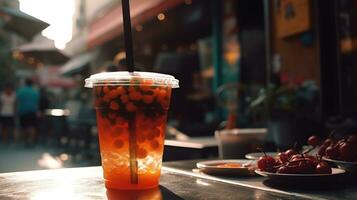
x=43 y=122
x=118 y=65
x=27 y=109
x=44 y=102
x=7 y=112
x=119 y=62
x=122 y=65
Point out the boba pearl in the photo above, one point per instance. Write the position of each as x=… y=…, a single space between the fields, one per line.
x=106 y=98
x=147 y=82
x=144 y=124
x=131 y=89
x=106 y=89
x=118 y=143
x=154 y=144
x=113 y=94
x=124 y=98
x=141 y=153
x=114 y=106
x=150 y=135
x=130 y=107
x=140 y=138
x=120 y=90
x=156 y=92
x=162 y=93
x=116 y=131
x=148 y=99
x=135 y=96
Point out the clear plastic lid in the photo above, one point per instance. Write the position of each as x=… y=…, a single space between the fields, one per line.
x=126 y=78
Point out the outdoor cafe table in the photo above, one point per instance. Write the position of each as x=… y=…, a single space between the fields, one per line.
x=177 y=182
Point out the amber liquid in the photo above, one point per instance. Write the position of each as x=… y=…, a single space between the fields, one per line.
x=121 y=112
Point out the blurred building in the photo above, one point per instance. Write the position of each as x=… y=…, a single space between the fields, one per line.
x=171 y=36
x=253 y=43
x=8 y=42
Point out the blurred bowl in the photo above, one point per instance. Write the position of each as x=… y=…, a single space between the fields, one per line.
x=235 y=143
x=348 y=166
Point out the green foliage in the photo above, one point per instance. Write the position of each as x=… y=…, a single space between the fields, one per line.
x=286 y=100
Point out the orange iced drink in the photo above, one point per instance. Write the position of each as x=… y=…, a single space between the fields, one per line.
x=131 y=118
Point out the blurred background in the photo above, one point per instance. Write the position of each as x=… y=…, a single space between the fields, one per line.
x=280 y=69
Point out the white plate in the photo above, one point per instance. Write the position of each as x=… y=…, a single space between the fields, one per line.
x=348 y=166
x=303 y=178
x=257 y=155
x=211 y=167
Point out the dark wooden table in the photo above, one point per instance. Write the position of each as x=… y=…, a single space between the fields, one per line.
x=177 y=182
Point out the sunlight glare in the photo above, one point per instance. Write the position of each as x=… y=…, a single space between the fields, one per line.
x=50 y=162
x=58 y=13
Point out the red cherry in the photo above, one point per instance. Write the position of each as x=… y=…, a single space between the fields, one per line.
x=322 y=150
x=323 y=168
x=266 y=163
x=346 y=151
x=290 y=152
x=296 y=157
x=313 y=140
x=307 y=167
x=344 y=148
x=331 y=152
x=283 y=170
x=283 y=157
x=294 y=168
x=337 y=144
x=312 y=159
x=328 y=142
x=352 y=139
x=301 y=165
x=278 y=162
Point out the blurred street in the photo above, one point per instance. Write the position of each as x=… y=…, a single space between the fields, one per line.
x=240 y=65
x=15 y=157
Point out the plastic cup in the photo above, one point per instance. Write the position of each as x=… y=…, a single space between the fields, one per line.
x=131 y=109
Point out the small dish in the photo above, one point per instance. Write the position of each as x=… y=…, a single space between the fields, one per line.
x=257 y=155
x=241 y=167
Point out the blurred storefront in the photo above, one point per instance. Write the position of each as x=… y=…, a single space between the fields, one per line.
x=172 y=37
x=205 y=44
x=10 y=68
x=273 y=63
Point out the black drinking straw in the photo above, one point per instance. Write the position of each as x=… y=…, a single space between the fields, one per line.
x=128 y=41
x=130 y=65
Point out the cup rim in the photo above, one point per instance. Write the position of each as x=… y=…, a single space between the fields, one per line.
x=130 y=78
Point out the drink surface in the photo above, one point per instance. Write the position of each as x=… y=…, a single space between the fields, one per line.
x=139 y=109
